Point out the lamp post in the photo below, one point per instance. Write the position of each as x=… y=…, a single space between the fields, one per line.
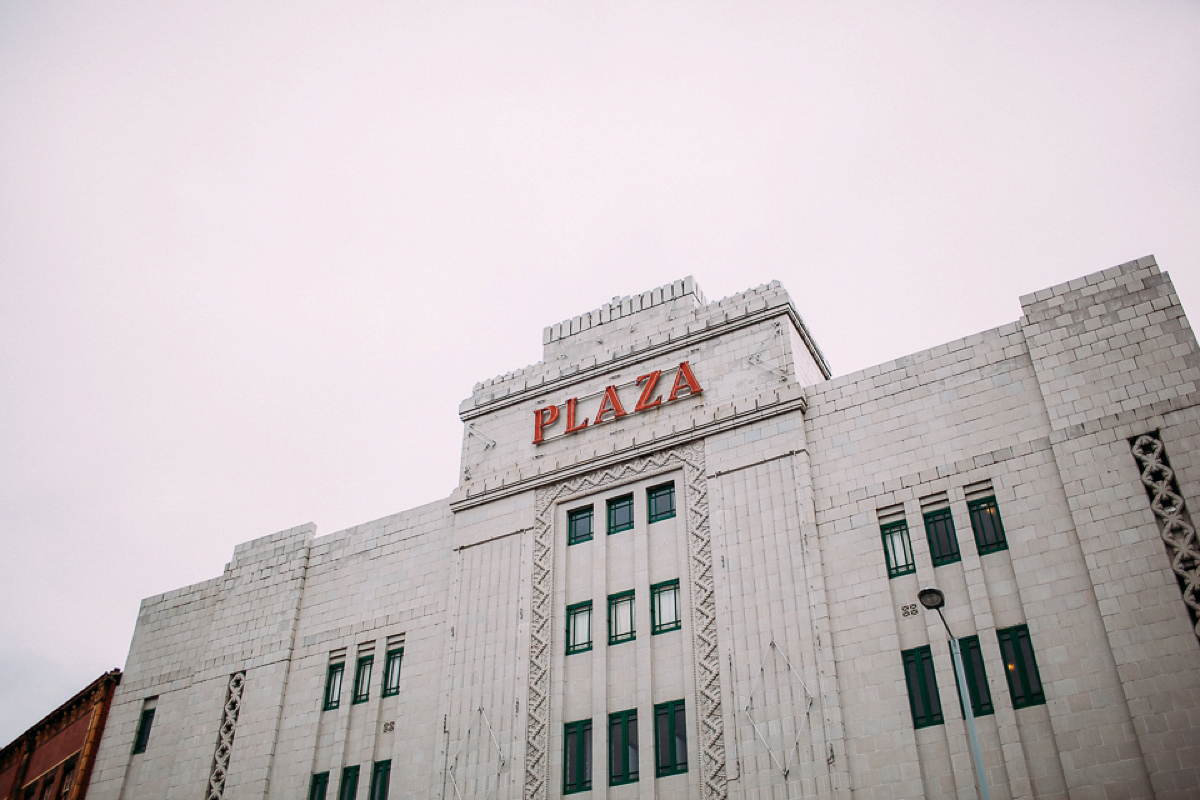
x=933 y=600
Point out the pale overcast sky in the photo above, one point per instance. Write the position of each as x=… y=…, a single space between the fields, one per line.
x=252 y=255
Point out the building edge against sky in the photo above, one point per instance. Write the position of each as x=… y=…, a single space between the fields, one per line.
x=682 y=561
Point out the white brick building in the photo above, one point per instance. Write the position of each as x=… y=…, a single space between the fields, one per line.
x=703 y=568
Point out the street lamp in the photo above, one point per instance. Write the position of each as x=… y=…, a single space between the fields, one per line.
x=933 y=600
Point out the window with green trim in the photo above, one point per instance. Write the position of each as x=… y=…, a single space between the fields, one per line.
x=391 y=672
x=362 y=679
x=622 y=747
x=943 y=542
x=986 y=525
x=319 y=786
x=579 y=525
x=333 y=685
x=923 y=697
x=142 y=739
x=620 y=514
x=1020 y=667
x=977 y=685
x=661 y=501
x=897 y=549
x=349 y=786
x=664 y=607
x=579 y=627
x=381 y=776
x=620 y=617
x=670 y=739
x=577 y=756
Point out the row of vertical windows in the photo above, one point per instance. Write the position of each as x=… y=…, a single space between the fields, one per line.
x=943 y=541
x=362 y=679
x=660 y=505
x=670 y=747
x=381 y=776
x=1020 y=668
x=46 y=784
x=664 y=617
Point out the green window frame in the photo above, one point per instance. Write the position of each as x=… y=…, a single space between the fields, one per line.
x=977 y=685
x=362 y=679
x=333 y=686
x=621 y=617
x=381 y=777
x=665 y=614
x=349 y=785
x=579 y=627
x=943 y=541
x=622 y=747
x=620 y=514
x=670 y=739
x=1020 y=667
x=141 y=739
x=986 y=525
x=923 y=699
x=897 y=549
x=660 y=502
x=391 y=672
x=579 y=525
x=318 y=786
x=577 y=756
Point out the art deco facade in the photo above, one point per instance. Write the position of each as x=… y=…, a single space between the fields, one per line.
x=682 y=561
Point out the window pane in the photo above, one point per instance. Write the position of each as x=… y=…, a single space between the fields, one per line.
x=362 y=679
x=631 y=746
x=943 y=542
x=977 y=686
x=333 y=686
x=664 y=599
x=380 y=778
x=1020 y=667
x=620 y=618
x=579 y=627
x=923 y=697
x=391 y=672
x=620 y=514
x=319 y=786
x=680 y=752
x=897 y=549
x=662 y=731
x=579 y=525
x=349 y=787
x=142 y=739
x=661 y=502
x=986 y=524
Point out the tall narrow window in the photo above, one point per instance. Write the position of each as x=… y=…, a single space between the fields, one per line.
x=362 y=679
x=579 y=627
x=1020 y=667
x=986 y=525
x=391 y=672
x=333 y=685
x=142 y=739
x=977 y=685
x=577 y=756
x=922 y=687
x=381 y=776
x=620 y=514
x=897 y=549
x=622 y=747
x=664 y=607
x=579 y=525
x=943 y=542
x=319 y=786
x=620 y=617
x=349 y=786
x=68 y=779
x=670 y=739
x=48 y=786
x=661 y=501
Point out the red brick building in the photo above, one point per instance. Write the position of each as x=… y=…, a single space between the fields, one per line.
x=53 y=759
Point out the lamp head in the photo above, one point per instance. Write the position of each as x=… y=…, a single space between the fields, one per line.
x=931 y=598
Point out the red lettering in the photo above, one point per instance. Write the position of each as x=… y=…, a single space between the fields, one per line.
x=571 y=426
x=682 y=378
x=541 y=418
x=644 y=401
x=610 y=402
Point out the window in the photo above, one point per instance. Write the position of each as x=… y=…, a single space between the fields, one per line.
x=620 y=514
x=333 y=685
x=68 y=780
x=622 y=747
x=897 y=549
x=577 y=756
x=349 y=786
x=579 y=525
x=661 y=501
x=1024 y=682
x=664 y=607
x=48 y=787
x=362 y=679
x=986 y=524
x=922 y=687
x=943 y=543
x=977 y=685
x=142 y=738
x=579 y=627
x=381 y=776
x=318 y=787
x=620 y=617
x=391 y=672
x=670 y=739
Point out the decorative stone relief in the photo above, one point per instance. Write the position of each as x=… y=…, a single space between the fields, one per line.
x=220 y=766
